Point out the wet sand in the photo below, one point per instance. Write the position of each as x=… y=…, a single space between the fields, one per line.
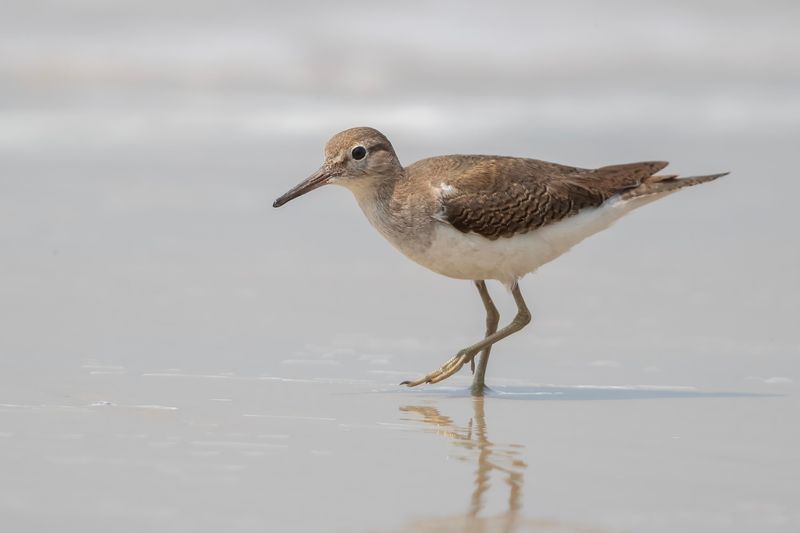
x=101 y=448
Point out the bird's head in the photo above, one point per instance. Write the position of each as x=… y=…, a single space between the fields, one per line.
x=355 y=158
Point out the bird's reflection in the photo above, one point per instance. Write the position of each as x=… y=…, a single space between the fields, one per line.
x=473 y=441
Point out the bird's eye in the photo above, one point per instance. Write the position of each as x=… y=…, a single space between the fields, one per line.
x=359 y=152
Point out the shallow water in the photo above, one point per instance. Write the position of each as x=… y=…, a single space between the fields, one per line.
x=103 y=448
x=175 y=355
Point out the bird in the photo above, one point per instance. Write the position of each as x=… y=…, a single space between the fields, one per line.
x=484 y=217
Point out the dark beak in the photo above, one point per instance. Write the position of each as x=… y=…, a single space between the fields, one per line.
x=317 y=179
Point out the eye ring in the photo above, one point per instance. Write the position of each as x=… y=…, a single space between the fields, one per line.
x=358 y=153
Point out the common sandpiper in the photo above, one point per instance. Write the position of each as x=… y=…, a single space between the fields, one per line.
x=484 y=217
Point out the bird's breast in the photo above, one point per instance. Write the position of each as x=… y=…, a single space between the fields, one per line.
x=471 y=256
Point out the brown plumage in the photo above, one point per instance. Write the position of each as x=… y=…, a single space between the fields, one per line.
x=505 y=196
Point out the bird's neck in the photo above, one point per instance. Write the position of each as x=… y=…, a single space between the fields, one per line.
x=391 y=208
x=377 y=198
x=374 y=196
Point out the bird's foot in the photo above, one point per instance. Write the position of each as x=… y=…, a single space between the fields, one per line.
x=450 y=367
x=479 y=389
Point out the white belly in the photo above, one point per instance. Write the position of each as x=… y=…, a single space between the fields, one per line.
x=471 y=256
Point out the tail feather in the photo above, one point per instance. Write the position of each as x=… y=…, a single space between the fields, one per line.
x=667 y=184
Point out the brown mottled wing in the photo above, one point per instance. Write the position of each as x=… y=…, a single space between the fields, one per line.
x=501 y=197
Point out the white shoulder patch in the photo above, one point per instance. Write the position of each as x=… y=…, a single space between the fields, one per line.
x=445 y=190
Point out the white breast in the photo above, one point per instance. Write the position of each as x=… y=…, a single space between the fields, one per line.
x=471 y=256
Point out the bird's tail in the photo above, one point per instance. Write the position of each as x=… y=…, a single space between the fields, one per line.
x=662 y=185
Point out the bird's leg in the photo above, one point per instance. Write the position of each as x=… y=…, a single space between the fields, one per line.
x=492 y=320
x=454 y=364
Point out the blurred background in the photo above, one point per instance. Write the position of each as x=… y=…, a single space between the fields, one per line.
x=142 y=144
